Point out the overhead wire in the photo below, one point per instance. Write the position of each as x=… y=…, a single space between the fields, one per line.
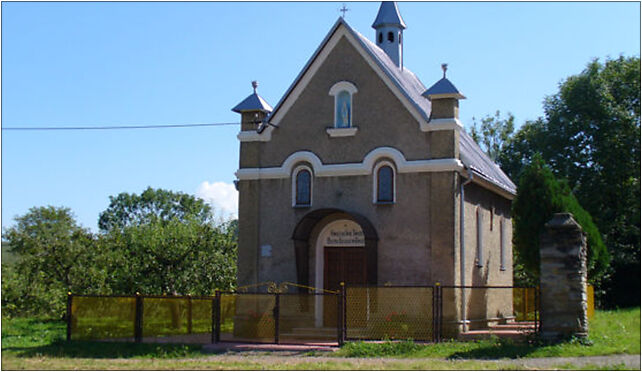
x=120 y=127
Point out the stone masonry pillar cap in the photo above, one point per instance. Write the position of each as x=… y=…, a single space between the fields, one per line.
x=563 y=221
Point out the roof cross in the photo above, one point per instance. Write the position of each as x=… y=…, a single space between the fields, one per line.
x=344 y=10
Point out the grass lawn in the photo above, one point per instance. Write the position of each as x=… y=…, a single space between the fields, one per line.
x=610 y=332
x=39 y=344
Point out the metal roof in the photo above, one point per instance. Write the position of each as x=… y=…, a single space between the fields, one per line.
x=474 y=158
x=388 y=15
x=253 y=102
x=443 y=88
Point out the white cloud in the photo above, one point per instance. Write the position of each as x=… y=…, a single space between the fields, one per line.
x=220 y=195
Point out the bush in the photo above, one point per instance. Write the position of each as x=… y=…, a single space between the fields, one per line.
x=539 y=196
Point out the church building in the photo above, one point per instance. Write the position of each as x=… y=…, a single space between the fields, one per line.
x=360 y=174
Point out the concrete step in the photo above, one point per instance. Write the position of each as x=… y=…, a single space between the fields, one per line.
x=483 y=334
x=318 y=331
x=517 y=327
x=308 y=337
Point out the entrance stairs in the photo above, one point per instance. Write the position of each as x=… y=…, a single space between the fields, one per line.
x=323 y=334
x=513 y=330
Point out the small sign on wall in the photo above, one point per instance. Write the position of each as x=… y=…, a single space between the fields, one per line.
x=344 y=233
x=266 y=250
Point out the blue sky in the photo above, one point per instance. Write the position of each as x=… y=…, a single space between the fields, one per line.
x=91 y=64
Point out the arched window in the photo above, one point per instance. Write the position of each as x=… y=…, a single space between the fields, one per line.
x=343 y=110
x=384 y=189
x=302 y=187
x=502 y=244
x=342 y=92
x=380 y=37
x=391 y=37
x=479 y=259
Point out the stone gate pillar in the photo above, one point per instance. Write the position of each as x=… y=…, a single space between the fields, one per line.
x=563 y=279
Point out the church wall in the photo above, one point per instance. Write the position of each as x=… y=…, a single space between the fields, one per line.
x=248 y=232
x=405 y=248
x=380 y=116
x=490 y=303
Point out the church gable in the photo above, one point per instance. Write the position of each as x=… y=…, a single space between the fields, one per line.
x=353 y=97
x=379 y=115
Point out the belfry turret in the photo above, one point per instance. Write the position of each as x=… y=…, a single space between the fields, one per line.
x=389 y=28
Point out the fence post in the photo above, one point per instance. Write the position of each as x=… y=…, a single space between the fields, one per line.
x=276 y=318
x=189 y=314
x=138 y=320
x=216 y=317
x=434 y=313
x=69 y=300
x=536 y=309
x=440 y=311
x=525 y=303
x=345 y=312
x=341 y=315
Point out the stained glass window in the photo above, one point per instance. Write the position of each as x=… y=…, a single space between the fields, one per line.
x=343 y=110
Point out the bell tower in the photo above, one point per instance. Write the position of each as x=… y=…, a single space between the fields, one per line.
x=389 y=28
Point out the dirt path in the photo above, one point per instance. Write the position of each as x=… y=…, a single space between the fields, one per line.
x=628 y=361
x=285 y=359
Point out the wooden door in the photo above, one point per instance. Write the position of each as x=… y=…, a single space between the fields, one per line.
x=342 y=264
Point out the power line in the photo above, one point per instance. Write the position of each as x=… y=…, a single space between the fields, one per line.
x=118 y=127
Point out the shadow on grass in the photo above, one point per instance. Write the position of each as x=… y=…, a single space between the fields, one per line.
x=503 y=348
x=496 y=351
x=102 y=350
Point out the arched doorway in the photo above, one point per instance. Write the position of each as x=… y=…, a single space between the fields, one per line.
x=340 y=255
x=343 y=248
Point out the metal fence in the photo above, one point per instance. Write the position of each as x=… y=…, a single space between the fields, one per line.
x=279 y=317
x=475 y=310
x=377 y=313
x=426 y=313
x=185 y=319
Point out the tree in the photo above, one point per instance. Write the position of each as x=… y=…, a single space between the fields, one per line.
x=540 y=196
x=150 y=206
x=173 y=257
x=167 y=242
x=55 y=255
x=493 y=133
x=591 y=136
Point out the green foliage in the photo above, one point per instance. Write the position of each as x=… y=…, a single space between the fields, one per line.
x=167 y=242
x=155 y=243
x=152 y=205
x=591 y=136
x=173 y=257
x=7 y=256
x=539 y=196
x=493 y=134
x=55 y=256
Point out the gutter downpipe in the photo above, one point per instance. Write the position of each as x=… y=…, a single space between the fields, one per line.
x=462 y=247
